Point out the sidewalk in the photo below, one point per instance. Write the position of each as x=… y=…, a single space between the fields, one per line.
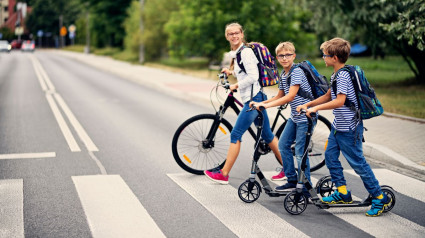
x=390 y=140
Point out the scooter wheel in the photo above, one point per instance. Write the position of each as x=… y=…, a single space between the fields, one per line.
x=295 y=203
x=387 y=190
x=325 y=186
x=249 y=191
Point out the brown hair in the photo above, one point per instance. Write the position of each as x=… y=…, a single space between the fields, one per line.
x=337 y=46
x=285 y=46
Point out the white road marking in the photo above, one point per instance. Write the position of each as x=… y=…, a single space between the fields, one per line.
x=245 y=220
x=12 y=208
x=28 y=155
x=73 y=146
x=112 y=209
x=77 y=126
x=400 y=183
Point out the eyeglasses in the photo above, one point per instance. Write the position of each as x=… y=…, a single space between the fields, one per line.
x=287 y=56
x=233 y=34
x=324 y=56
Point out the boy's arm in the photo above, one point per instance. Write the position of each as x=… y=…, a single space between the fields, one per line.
x=280 y=94
x=293 y=90
x=336 y=103
x=320 y=100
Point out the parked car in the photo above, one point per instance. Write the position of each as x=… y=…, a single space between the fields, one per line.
x=28 y=46
x=16 y=44
x=5 y=46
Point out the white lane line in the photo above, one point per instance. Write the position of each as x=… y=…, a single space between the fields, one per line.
x=39 y=77
x=387 y=225
x=28 y=155
x=12 y=208
x=401 y=183
x=44 y=75
x=245 y=220
x=73 y=146
x=77 y=126
x=112 y=209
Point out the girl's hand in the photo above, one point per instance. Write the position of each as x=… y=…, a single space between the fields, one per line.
x=233 y=87
x=227 y=71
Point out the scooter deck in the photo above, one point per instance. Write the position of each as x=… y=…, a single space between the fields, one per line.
x=332 y=205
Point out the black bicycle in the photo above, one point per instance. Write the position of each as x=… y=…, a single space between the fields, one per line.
x=201 y=142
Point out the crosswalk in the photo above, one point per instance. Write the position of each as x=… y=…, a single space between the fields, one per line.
x=113 y=210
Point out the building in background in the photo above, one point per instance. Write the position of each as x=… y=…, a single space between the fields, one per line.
x=14 y=19
x=4 y=11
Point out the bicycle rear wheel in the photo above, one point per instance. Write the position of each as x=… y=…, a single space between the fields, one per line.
x=317 y=147
x=189 y=144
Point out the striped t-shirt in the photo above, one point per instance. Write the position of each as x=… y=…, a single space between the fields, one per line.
x=344 y=117
x=297 y=77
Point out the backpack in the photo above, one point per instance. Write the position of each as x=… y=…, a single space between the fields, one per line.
x=318 y=83
x=268 y=73
x=369 y=105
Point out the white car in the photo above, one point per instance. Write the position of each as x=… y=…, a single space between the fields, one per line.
x=5 y=46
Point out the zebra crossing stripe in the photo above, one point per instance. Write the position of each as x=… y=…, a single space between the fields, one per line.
x=223 y=202
x=387 y=225
x=12 y=208
x=403 y=184
x=112 y=209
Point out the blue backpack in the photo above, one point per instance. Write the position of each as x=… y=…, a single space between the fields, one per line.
x=369 y=105
x=318 y=83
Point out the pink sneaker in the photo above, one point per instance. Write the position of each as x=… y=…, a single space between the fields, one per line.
x=217 y=176
x=279 y=177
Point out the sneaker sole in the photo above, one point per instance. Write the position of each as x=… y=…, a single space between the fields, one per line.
x=339 y=202
x=217 y=181
x=279 y=179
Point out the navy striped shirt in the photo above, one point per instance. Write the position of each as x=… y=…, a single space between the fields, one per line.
x=344 y=117
x=297 y=77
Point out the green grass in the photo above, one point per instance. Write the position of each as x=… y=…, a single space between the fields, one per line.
x=391 y=77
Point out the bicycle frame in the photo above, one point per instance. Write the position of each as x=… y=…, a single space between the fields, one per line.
x=233 y=103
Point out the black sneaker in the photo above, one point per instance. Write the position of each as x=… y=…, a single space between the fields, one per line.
x=289 y=186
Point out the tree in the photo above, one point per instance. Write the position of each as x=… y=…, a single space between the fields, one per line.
x=131 y=25
x=381 y=24
x=107 y=19
x=197 y=27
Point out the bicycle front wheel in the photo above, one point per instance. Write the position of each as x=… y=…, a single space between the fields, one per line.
x=190 y=148
x=317 y=147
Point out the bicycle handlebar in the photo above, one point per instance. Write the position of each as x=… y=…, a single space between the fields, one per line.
x=312 y=114
x=224 y=82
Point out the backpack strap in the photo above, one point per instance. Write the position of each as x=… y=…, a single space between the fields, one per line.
x=301 y=92
x=239 y=58
x=348 y=103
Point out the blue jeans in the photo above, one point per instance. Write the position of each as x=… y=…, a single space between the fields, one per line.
x=294 y=132
x=350 y=143
x=245 y=119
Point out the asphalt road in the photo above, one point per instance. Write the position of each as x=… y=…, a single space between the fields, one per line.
x=85 y=153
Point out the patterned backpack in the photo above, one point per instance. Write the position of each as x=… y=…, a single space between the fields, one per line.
x=268 y=73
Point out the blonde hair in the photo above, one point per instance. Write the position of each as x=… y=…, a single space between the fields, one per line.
x=285 y=46
x=337 y=46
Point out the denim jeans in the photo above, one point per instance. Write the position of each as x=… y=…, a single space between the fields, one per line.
x=294 y=132
x=350 y=144
x=245 y=119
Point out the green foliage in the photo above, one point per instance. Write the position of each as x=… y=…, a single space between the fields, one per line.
x=197 y=27
x=47 y=18
x=155 y=15
x=410 y=23
x=7 y=33
x=106 y=22
x=131 y=25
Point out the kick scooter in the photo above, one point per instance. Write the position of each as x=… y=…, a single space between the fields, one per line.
x=296 y=201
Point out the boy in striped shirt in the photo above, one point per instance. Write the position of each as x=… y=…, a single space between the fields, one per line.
x=347 y=130
x=292 y=81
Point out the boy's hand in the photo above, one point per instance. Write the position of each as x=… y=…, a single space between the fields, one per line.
x=299 y=108
x=310 y=110
x=258 y=105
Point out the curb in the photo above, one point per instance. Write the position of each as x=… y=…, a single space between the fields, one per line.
x=407 y=118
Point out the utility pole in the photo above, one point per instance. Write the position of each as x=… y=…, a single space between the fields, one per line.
x=60 y=28
x=141 y=46
x=87 y=47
